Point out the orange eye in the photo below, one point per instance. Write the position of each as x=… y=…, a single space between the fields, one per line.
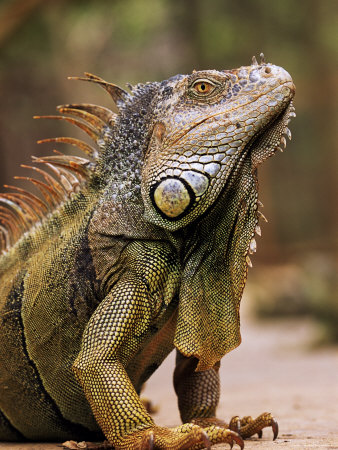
x=203 y=86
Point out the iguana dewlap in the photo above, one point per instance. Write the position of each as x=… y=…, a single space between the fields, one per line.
x=140 y=247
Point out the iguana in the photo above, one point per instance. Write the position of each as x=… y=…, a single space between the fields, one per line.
x=138 y=248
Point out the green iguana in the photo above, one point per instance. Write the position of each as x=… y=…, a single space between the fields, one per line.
x=136 y=249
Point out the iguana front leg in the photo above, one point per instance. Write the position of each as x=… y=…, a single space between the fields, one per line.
x=110 y=340
x=198 y=396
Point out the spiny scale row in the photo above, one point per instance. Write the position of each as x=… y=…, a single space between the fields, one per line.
x=20 y=210
x=252 y=244
x=287 y=131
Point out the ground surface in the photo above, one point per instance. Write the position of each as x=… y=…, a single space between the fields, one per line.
x=273 y=370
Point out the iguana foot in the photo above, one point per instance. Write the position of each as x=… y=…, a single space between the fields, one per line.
x=245 y=427
x=186 y=436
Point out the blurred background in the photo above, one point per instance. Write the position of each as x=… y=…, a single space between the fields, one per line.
x=44 y=41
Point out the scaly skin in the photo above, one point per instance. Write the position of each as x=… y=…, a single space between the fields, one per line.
x=139 y=249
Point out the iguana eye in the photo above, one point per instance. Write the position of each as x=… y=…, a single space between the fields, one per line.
x=203 y=86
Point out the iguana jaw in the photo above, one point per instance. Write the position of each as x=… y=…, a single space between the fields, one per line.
x=272 y=138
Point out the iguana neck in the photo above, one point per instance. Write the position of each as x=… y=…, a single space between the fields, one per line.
x=124 y=147
x=234 y=210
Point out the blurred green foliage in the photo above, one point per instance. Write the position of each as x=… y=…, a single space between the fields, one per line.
x=44 y=41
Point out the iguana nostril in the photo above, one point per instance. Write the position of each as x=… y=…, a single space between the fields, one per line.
x=172 y=197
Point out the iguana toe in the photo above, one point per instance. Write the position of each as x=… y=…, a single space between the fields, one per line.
x=218 y=435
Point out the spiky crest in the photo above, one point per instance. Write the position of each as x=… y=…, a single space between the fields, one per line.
x=21 y=210
x=119 y=95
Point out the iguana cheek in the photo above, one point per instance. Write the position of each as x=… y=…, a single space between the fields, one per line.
x=172 y=197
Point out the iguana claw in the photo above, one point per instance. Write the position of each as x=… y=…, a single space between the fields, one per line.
x=275 y=429
x=217 y=435
x=220 y=432
x=150 y=444
x=206 y=440
x=239 y=441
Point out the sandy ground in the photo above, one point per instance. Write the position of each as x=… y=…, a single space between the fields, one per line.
x=273 y=370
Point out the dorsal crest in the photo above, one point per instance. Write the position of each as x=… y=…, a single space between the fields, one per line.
x=59 y=176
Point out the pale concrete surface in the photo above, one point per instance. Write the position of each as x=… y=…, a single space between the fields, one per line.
x=273 y=370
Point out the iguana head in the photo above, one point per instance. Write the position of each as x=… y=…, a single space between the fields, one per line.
x=205 y=124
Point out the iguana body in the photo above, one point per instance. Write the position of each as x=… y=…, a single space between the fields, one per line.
x=141 y=250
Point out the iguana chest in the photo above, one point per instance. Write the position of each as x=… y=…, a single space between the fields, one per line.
x=156 y=265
